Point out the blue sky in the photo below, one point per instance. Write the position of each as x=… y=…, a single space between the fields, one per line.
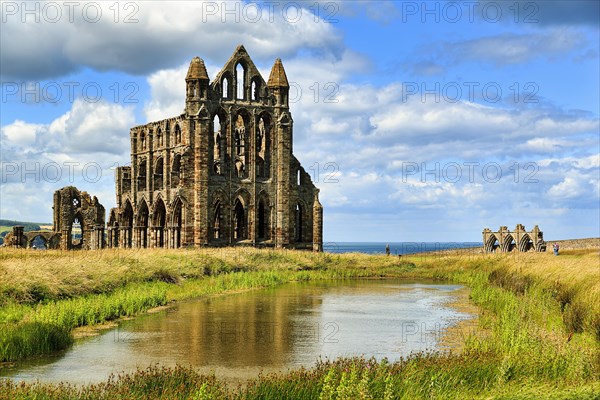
x=419 y=121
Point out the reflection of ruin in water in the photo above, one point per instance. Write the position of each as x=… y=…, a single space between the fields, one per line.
x=271 y=330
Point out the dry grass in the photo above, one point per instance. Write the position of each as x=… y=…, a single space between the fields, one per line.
x=29 y=276
x=541 y=313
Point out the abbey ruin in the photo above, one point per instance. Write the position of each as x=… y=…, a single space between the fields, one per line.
x=519 y=240
x=78 y=223
x=221 y=173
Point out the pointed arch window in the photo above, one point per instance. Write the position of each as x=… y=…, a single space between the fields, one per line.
x=225 y=86
x=240 y=77
x=177 y=134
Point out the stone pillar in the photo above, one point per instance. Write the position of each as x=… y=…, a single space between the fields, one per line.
x=18 y=236
x=201 y=176
x=282 y=235
x=65 y=239
x=100 y=236
x=317 y=224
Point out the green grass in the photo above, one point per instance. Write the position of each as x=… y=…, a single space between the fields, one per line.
x=537 y=335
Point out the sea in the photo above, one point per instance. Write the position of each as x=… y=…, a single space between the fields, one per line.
x=395 y=247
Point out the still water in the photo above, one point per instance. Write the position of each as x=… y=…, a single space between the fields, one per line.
x=236 y=336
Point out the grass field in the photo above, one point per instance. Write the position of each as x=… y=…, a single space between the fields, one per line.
x=538 y=334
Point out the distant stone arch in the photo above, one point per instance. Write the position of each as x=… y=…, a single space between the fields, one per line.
x=519 y=240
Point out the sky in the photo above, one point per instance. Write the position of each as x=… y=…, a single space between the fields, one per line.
x=418 y=121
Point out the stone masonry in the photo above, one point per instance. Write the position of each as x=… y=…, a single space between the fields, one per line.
x=72 y=209
x=517 y=240
x=221 y=173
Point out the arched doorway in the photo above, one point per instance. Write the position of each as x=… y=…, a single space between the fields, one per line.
x=143 y=225
x=128 y=224
x=77 y=232
x=177 y=223
x=239 y=222
x=160 y=218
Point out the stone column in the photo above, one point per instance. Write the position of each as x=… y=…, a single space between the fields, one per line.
x=18 y=236
x=65 y=239
x=282 y=236
x=317 y=225
x=201 y=176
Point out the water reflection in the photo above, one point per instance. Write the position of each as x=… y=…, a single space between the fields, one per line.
x=238 y=335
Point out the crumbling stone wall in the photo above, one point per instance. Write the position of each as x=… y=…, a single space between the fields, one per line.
x=222 y=172
x=71 y=208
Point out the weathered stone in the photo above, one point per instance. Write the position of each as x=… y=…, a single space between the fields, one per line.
x=222 y=172
x=71 y=207
x=517 y=240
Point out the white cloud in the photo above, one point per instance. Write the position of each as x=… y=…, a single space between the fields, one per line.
x=570 y=187
x=22 y=133
x=152 y=39
x=89 y=132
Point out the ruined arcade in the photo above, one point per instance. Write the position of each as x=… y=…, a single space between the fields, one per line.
x=221 y=173
x=519 y=240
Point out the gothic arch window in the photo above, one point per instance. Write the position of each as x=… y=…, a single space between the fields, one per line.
x=159 y=137
x=263 y=147
x=158 y=174
x=240 y=77
x=240 y=144
x=255 y=89
x=143 y=141
x=177 y=134
x=240 y=136
x=142 y=175
x=176 y=170
x=218 y=149
x=225 y=86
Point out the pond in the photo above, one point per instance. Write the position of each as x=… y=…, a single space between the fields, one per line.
x=238 y=335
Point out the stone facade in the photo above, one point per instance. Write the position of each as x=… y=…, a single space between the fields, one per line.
x=221 y=173
x=517 y=240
